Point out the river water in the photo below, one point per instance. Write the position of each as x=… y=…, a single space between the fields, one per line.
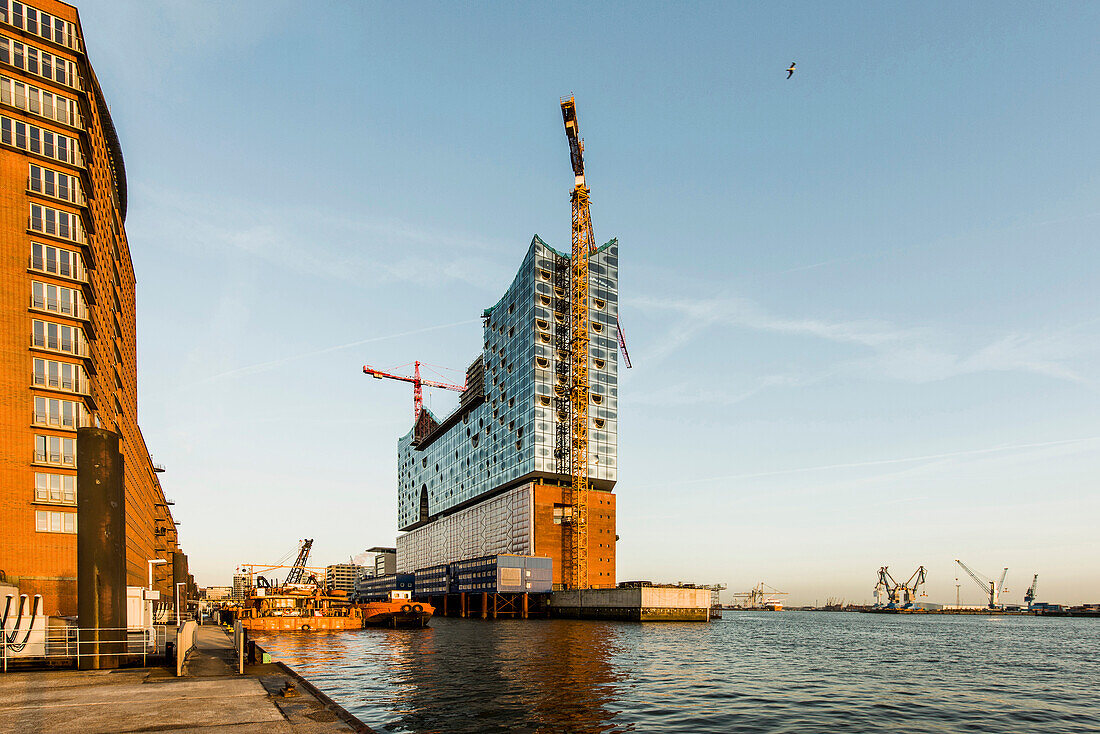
x=753 y=671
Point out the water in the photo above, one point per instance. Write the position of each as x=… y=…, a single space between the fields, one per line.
x=767 y=671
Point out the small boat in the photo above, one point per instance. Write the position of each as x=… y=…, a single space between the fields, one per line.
x=298 y=607
x=397 y=610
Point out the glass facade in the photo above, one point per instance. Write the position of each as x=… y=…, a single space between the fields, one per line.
x=509 y=436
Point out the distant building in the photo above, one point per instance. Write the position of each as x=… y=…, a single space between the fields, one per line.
x=342 y=576
x=242 y=583
x=385 y=560
x=218 y=593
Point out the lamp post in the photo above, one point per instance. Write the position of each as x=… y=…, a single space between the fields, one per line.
x=149 y=596
x=178 y=585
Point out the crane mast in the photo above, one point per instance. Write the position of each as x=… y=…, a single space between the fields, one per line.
x=299 y=567
x=1032 y=591
x=575 y=551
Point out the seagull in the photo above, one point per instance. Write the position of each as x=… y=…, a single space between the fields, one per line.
x=790 y=70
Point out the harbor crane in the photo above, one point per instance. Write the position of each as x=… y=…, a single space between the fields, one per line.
x=1032 y=591
x=418 y=384
x=299 y=568
x=899 y=595
x=993 y=588
x=760 y=596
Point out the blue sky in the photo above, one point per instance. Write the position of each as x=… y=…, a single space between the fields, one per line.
x=861 y=303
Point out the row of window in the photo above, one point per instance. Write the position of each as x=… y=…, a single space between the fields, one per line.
x=59 y=337
x=54 y=522
x=58 y=261
x=55 y=183
x=32 y=20
x=57 y=488
x=38 y=101
x=59 y=375
x=59 y=413
x=35 y=61
x=59 y=299
x=56 y=450
x=43 y=142
x=65 y=225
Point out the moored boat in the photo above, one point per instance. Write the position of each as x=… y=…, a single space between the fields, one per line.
x=397 y=610
x=298 y=608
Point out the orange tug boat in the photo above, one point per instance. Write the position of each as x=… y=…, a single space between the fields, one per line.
x=399 y=610
x=295 y=608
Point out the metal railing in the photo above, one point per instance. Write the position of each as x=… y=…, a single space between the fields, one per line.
x=51 y=644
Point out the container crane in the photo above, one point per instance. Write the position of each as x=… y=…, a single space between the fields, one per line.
x=899 y=595
x=993 y=588
x=418 y=384
x=1032 y=591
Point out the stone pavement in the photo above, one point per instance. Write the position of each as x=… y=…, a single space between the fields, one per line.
x=210 y=697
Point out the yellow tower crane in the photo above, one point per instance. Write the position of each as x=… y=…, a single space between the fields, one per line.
x=575 y=550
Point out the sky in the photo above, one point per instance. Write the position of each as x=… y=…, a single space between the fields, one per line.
x=861 y=303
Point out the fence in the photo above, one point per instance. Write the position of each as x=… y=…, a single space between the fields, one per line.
x=65 y=643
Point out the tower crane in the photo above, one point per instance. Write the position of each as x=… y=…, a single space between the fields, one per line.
x=993 y=588
x=575 y=547
x=1032 y=591
x=418 y=384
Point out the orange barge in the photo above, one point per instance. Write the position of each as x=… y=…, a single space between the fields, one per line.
x=298 y=608
x=398 y=610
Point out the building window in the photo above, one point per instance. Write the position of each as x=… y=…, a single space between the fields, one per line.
x=59 y=337
x=34 y=21
x=56 y=450
x=59 y=375
x=59 y=299
x=48 y=220
x=56 y=488
x=37 y=61
x=59 y=185
x=50 y=259
x=58 y=413
x=38 y=101
x=42 y=142
x=55 y=522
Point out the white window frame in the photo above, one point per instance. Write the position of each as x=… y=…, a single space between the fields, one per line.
x=37 y=101
x=33 y=139
x=56 y=223
x=53 y=375
x=55 y=450
x=57 y=489
x=58 y=413
x=20 y=15
x=52 y=183
x=50 y=521
x=58 y=299
x=51 y=332
x=40 y=261
x=19 y=54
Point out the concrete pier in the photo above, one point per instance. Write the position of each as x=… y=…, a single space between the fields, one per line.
x=210 y=697
x=645 y=604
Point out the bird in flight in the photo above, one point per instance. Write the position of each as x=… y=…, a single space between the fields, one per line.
x=790 y=70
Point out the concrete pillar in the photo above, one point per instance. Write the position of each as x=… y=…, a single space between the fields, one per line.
x=523 y=613
x=445 y=604
x=484 y=604
x=100 y=549
x=495 y=597
x=462 y=604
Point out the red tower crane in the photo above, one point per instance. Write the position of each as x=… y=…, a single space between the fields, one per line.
x=418 y=384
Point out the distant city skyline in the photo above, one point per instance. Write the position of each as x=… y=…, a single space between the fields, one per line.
x=861 y=302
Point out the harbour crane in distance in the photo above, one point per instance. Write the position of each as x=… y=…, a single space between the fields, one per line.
x=418 y=384
x=299 y=568
x=1032 y=591
x=993 y=588
x=899 y=595
x=759 y=597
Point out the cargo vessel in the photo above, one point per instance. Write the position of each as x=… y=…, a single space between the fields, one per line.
x=397 y=610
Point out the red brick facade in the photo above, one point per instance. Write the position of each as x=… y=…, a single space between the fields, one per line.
x=41 y=561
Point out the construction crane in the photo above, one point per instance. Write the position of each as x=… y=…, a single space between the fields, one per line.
x=622 y=342
x=993 y=588
x=1032 y=591
x=575 y=547
x=899 y=595
x=418 y=384
x=299 y=567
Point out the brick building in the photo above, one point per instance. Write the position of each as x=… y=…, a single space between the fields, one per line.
x=67 y=326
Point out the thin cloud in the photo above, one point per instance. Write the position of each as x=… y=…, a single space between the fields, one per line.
x=880 y=462
x=276 y=363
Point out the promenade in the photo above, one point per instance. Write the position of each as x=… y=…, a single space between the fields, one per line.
x=209 y=697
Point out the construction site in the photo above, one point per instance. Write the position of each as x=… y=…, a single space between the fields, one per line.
x=526 y=465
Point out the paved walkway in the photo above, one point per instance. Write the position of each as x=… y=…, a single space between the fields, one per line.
x=210 y=697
